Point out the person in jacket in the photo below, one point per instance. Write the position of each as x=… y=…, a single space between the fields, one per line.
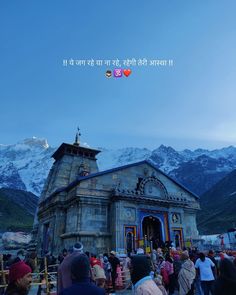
x=64 y=269
x=226 y=281
x=211 y=255
x=80 y=276
x=115 y=262
x=94 y=260
x=99 y=276
x=20 y=278
x=186 y=275
x=142 y=282
x=107 y=270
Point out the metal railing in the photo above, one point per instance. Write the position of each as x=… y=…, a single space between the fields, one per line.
x=42 y=278
x=47 y=278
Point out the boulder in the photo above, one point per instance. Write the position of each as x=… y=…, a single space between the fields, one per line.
x=15 y=240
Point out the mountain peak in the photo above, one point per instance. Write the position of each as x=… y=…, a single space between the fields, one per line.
x=165 y=150
x=35 y=142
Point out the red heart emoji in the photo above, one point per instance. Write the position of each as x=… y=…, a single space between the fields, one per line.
x=127 y=72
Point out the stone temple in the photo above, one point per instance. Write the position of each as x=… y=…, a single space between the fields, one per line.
x=118 y=209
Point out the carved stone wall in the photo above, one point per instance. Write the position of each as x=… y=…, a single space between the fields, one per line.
x=99 y=209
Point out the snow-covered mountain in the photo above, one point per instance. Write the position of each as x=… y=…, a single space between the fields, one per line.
x=25 y=165
x=114 y=158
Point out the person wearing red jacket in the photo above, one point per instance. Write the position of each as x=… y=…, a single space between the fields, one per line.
x=94 y=260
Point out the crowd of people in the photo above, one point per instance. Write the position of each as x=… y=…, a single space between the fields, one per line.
x=160 y=272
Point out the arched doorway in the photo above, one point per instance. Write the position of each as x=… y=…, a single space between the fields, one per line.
x=152 y=231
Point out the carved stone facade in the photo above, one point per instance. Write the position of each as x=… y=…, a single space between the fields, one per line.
x=122 y=208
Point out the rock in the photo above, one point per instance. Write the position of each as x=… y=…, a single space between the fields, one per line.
x=15 y=240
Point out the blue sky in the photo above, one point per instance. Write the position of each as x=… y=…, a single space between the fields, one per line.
x=189 y=105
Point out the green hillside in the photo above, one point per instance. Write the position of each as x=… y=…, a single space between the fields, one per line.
x=218 y=205
x=14 y=214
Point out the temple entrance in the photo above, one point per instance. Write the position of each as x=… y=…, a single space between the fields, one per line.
x=129 y=242
x=130 y=233
x=152 y=232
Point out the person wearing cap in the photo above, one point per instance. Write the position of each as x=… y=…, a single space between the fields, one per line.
x=80 y=276
x=114 y=261
x=20 y=278
x=64 y=269
x=186 y=275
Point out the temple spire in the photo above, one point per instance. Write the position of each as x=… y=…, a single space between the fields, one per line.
x=77 y=137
